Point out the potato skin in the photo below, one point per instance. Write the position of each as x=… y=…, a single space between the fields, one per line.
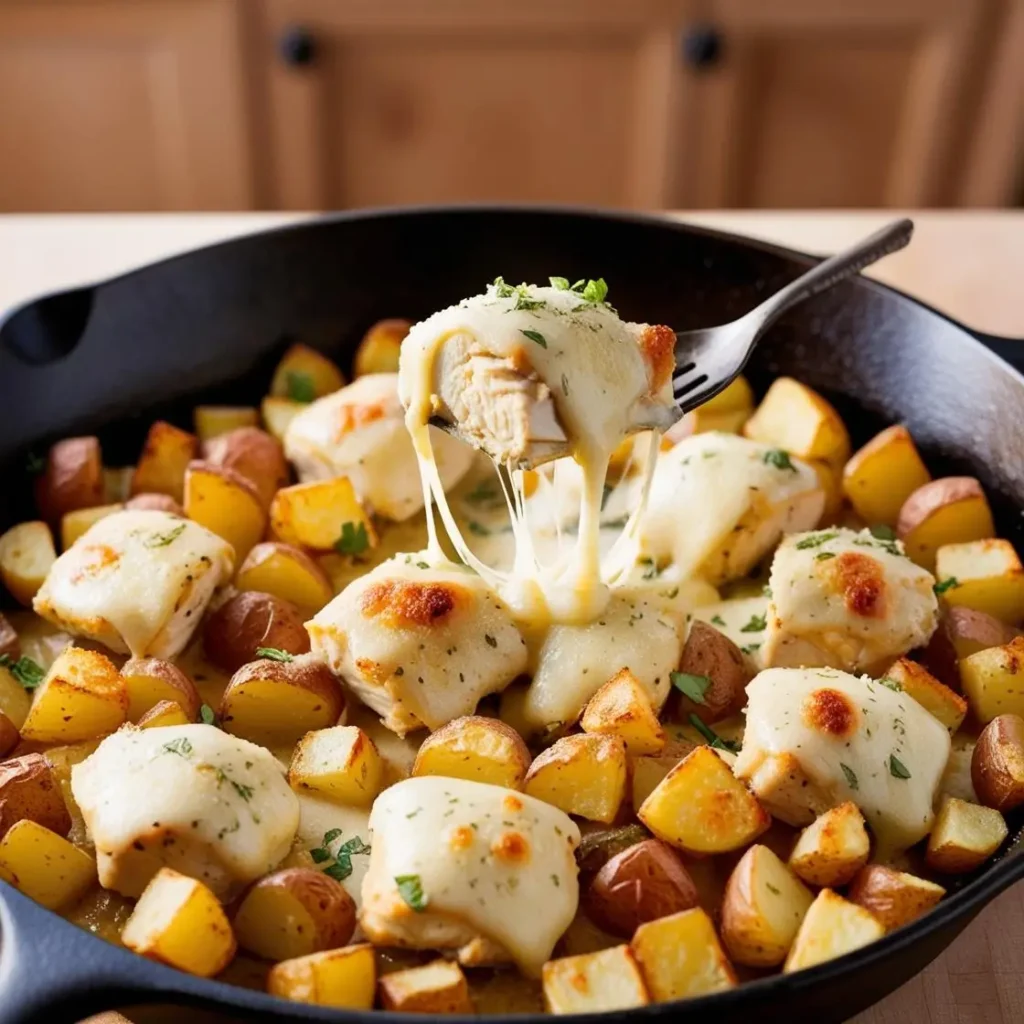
x=997 y=764
x=9 y=642
x=712 y=654
x=940 y=657
x=186 y=694
x=462 y=736
x=249 y=620
x=156 y=503
x=884 y=892
x=254 y=454
x=9 y=735
x=640 y=884
x=29 y=790
x=935 y=495
x=73 y=478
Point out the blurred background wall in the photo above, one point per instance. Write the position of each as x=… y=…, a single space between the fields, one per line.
x=317 y=104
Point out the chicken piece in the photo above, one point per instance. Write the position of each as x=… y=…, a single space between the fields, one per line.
x=189 y=797
x=815 y=738
x=846 y=600
x=419 y=644
x=137 y=581
x=360 y=432
x=528 y=374
x=720 y=502
x=465 y=866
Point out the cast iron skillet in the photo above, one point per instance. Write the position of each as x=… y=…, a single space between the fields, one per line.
x=208 y=326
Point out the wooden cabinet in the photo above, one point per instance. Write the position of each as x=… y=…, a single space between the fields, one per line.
x=122 y=105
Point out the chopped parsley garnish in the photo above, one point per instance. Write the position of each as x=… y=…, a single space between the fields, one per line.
x=354 y=539
x=779 y=459
x=851 y=776
x=750 y=648
x=717 y=620
x=25 y=671
x=180 y=746
x=882 y=532
x=897 y=769
x=491 y=642
x=756 y=624
x=537 y=337
x=161 y=540
x=595 y=291
x=274 y=654
x=504 y=291
x=245 y=792
x=565 y=385
x=300 y=387
x=478 y=528
x=342 y=866
x=823 y=556
x=891 y=684
x=771 y=888
x=410 y=888
x=714 y=740
x=950 y=583
x=690 y=685
x=561 y=283
x=207 y=715
x=422 y=565
x=522 y=302
x=815 y=540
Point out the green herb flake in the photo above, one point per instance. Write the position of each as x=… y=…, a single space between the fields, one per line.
x=537 y=337
x=815 y=540
x=410 y=888
x=565 y=385
x=891 y=684
x=771 y=888
x=757 y=624
x=300 y=387
x=422 y=565
x=503 y=291
x=561 y=283
x=750 y=648
x=274 y=654
x=950 y=583
x=714 y=740
x=478 y=529
x=180 y=746
x=207 y=715
x=690 y=685
x=717 y=620
x=28 y=673
x=882 y=532
x=851 y=776
x=780 y=459
x=897 y=769
x=595 y=291
x=491 y=642
x=161 y=540
x=354 y=539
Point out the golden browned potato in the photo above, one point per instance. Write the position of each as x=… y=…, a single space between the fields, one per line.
x=964 y=836
x=581 y=774
x=26 y=555
x=322 y=515
x=152 y=680
x=380 y=348
x=286 y=572
x=180 y=922
x=962 y=632
x=833 y=848
x=273 y=702
x=248 y=623
x=72 y=479
x=712 y=678
x=701 y=807
x=213 y=420
x=10 y=645
x=29 y=790
x=163 y=714
x=45 y=866
x=154 y=502
x=936 y=698
x=949 y=510
x=475 y=748
x=642 y=883
x=991 y=680
x=609 y=979
x=294 y=912
x=798 y=420
x=985 y=575
x=646 y=772
x=763 y=906
x=74 y=524
x=304 y=375
x=894 y=897
x=831 y=927
x=227 y=503
x=438 y=987
x=997 y=764
x=14 y=698
x=880 y=477
x=621 y=707
x=254 y=454
x=341 y=763
x=165 y=457
x=344 y=978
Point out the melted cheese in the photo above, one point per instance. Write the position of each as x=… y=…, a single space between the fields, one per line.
x=816 y=721
x=190 y=797
x=137 y=581
x=491 y=864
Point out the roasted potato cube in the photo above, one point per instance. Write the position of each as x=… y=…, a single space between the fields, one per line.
x=609 y=979
x=880 y=477
x=304 y=375
x=117 y=483
x=28 y=790
x=322 y=515
x=345 y=978
x=701 y=807
x=475 y=748
x=82 y=697
x=997 y=763
x=964 y=836
x=939 y=700
x=380 y=348
x=622 y=708
x=150 y=681
x=961 y=633
x=438 y=987
x=712 y=677
x=736 y=397
x=833 y=848
x=72 y=479
x=642 y=883
x=14 y=698
x=985 y=575
x=226 y=503
x=993 y=680
x=163 y=714
x=179 y=921
x=277 y=413
x=251 y=622
x=798 y=420
x=581 y=774
x=894 y=897
x=9 y=735
x=341 y=763
x=44 y=866
x=293 y=913
x=213 y=420
x=165 y=457
x=646 y=772
x=273 y=703
x=950 y=510
x=26 y=556
x=680 y=957
x=286 y=572
x=74 y=524
x=763 y=906
x=830 y=928
x=253 y=454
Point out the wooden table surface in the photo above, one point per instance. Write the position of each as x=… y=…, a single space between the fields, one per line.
x=969 y=264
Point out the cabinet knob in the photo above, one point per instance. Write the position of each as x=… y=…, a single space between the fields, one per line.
x=702 y=47
x=297 y=47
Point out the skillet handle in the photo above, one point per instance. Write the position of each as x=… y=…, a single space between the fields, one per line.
x=1010 y=350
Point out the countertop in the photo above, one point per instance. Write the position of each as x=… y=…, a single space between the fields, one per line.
x=968 y=264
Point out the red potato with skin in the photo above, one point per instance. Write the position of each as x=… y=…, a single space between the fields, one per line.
x=249 y=621
x=153 y=502
x=152 y=680
x=997 y=764
x=961 y=633
x=255 y=455
x=72 y=479
x=711 y=655
x=29 y=790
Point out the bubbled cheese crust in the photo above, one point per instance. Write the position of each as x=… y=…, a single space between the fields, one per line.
x=419 y=644
x=492 y=865
x=137 y=581
x=847 y=600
